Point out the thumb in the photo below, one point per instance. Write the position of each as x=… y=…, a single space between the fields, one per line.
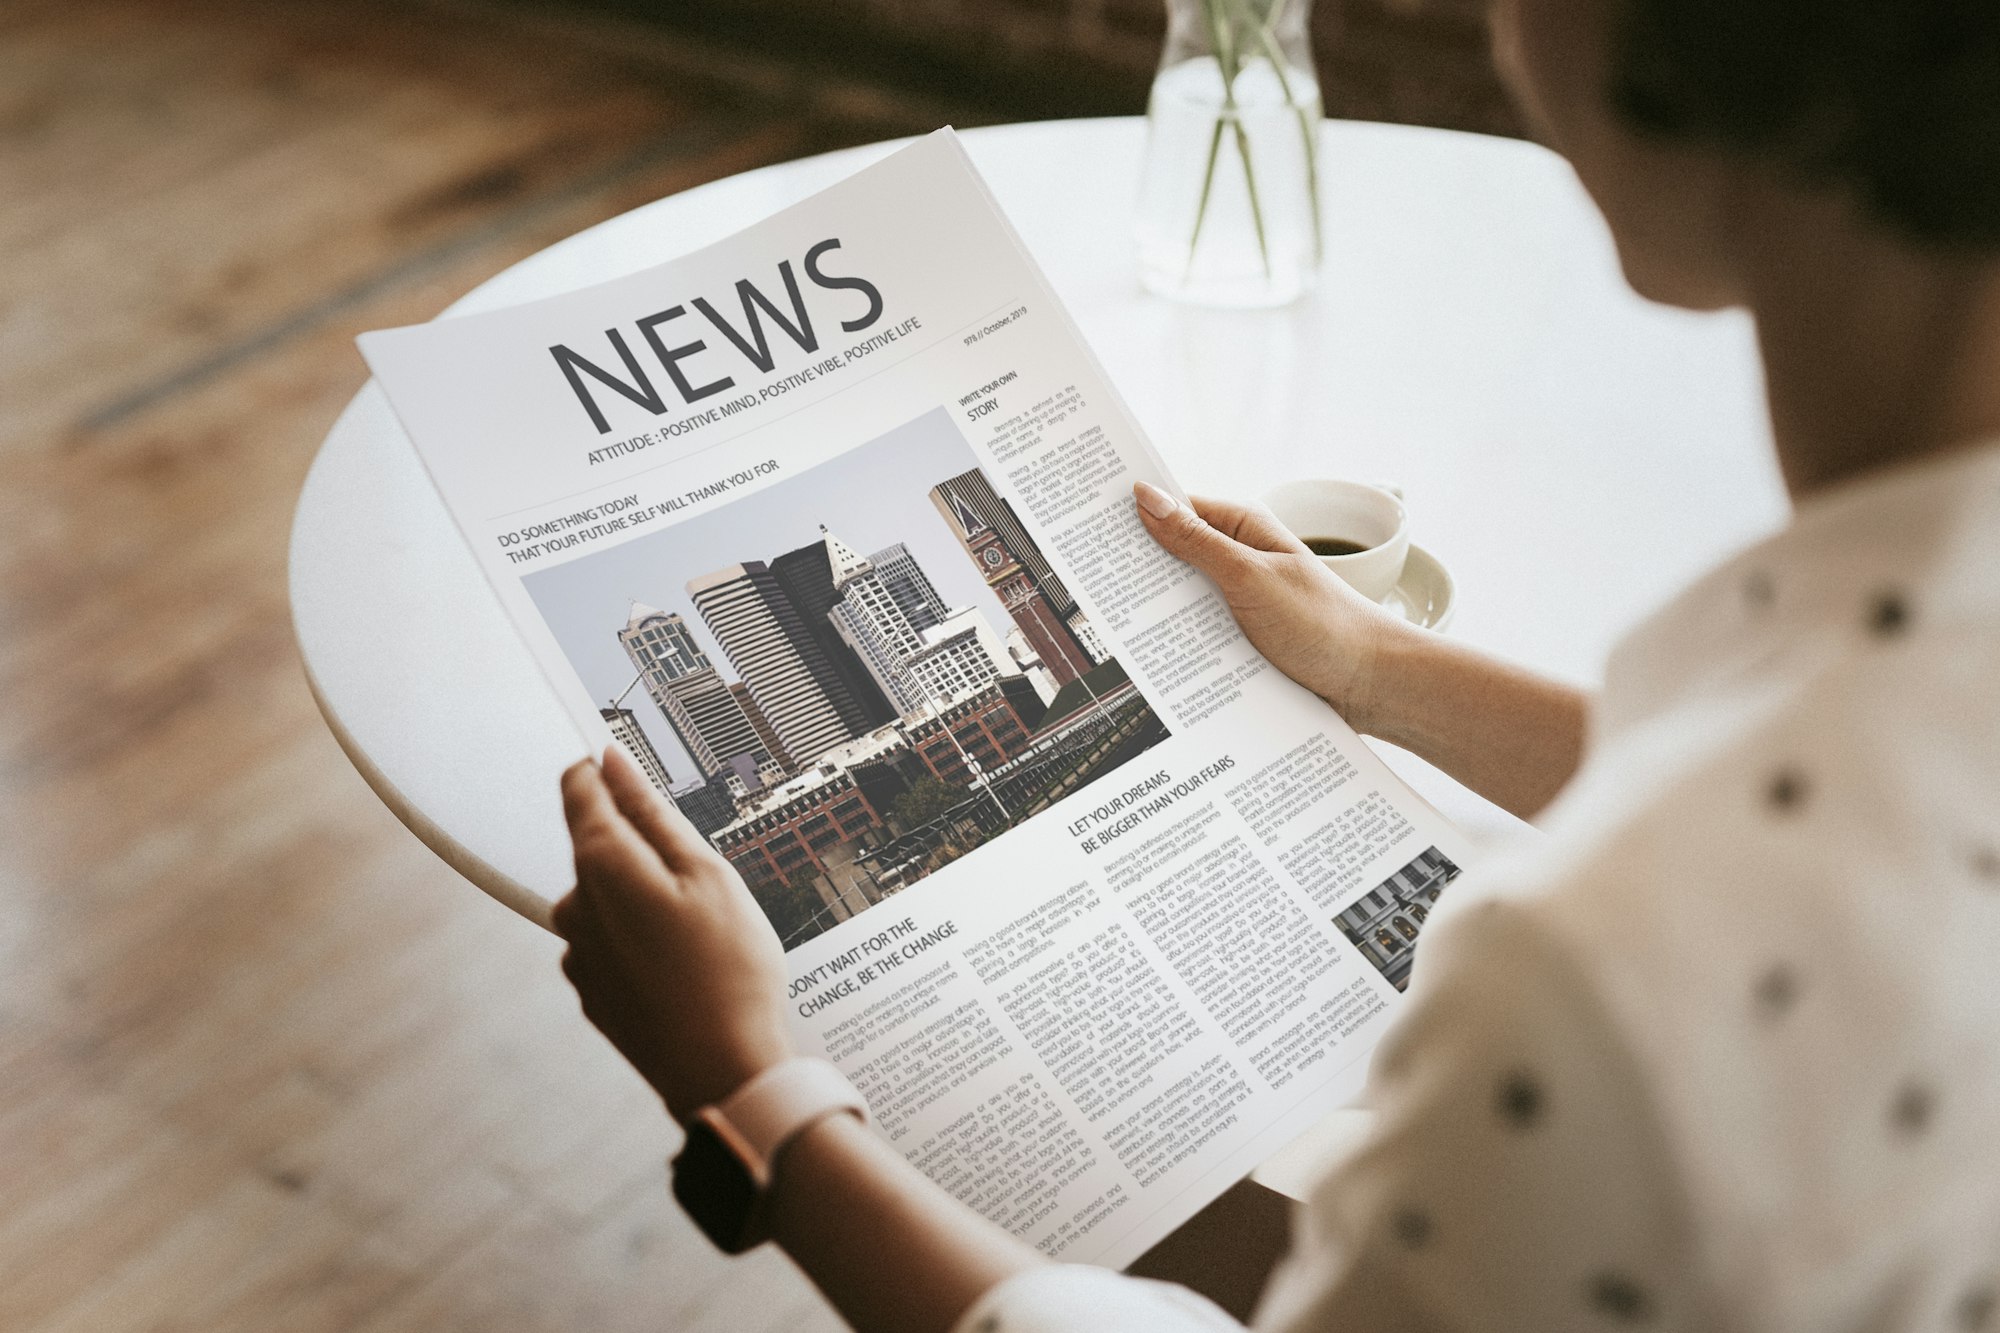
x=1182 y=532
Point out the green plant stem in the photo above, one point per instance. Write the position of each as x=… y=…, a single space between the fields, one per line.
x=1223 y=29
x=1250 y=184
x=1219 y=36
x=1308 y=131
x=1207 y=185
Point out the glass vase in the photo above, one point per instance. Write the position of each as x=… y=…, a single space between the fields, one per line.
x=1229 y=206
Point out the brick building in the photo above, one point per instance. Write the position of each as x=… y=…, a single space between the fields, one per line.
x=993 y=726
x=1012 y=563
x=813 y=824
x=794 y=831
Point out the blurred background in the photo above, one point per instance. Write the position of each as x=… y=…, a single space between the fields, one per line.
x=265 y=1063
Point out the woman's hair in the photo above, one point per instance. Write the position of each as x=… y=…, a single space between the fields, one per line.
x=1897 y=101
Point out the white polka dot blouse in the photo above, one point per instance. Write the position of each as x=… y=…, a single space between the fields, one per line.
x=1722 y=1050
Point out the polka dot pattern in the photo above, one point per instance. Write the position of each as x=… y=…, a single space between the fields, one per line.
x=1412 y=1228
x=1889 y=615
x=1776 y=991
x=1787 y=791
x=1618 y=1298
x=1588 y=1213
x=1912 y=1110
x=1519 y=1100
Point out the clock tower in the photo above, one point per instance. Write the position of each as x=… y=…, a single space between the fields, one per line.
x=1010 y=562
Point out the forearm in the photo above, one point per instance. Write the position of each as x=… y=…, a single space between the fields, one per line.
x=1510 y=734
x=891 y=1250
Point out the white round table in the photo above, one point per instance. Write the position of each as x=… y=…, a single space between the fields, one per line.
x=1570 y=453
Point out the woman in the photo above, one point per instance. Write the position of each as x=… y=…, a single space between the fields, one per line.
x=1724 y=1050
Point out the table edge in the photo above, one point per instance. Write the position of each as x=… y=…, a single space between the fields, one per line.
x=481 y=873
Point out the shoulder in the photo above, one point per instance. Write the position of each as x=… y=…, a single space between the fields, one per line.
x=1757 y=943
x=1775 y=828
x=1827 y=840
x=1733 y=1015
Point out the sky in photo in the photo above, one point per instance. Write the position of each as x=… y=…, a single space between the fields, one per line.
x=870 y=497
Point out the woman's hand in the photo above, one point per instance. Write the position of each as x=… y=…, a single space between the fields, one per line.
x=1299 y=614
x=677 y=965
x=1511 y=735
x=671 y=956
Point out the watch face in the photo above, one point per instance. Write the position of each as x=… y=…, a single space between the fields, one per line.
x=716 y=1189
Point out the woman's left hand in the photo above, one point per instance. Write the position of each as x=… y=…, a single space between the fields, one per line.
x=671 y=956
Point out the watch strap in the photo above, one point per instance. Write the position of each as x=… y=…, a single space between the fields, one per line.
x=762 y=1116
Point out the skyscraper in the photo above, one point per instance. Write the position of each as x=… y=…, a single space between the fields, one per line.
x=658 y=641
x=773 y=747
x=711 y=722
x=961 y=655
x=809 y=576
x=1086 y=634
x=892 y=619
x=1015 y=569
x=909 y=586
x=626 y=731
x=778 y=657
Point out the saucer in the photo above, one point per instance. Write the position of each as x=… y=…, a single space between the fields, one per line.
x=1425 y=595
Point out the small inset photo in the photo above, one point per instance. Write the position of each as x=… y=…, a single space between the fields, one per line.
x=1384 y=922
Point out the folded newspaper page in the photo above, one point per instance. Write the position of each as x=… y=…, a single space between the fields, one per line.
x=830 y=525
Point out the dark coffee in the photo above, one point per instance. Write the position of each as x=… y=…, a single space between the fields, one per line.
x=1334 y=546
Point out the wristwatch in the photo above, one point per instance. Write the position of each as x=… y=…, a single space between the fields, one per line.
x=723 y=1174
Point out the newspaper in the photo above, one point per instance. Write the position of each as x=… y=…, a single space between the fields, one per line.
x=830 y=524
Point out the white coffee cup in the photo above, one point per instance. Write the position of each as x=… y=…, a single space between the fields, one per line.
x=1371 y=517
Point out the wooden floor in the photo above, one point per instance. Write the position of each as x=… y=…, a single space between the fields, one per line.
x=264 y=1062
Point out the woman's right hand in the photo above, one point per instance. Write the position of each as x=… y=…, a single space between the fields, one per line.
x=1299 y=614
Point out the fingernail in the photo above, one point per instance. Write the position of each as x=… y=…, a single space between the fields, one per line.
x=1154 y=500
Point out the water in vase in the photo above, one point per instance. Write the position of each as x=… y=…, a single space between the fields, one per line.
x=1221 y=261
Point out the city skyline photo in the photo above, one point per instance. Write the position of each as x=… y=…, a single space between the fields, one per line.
x=579 y=598
x=852 y=676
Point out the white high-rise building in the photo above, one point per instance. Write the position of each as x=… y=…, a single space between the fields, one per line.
x=1029 y=663
x=777 y=656
x=961 y=655
x=712 y=724
x=660 y=641
x=918 y=652
x=625 y=729
x=1086 y=634
x=909 y=586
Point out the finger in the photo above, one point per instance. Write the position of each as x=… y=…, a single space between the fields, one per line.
x=568 y=909
x=605 y=992
x=1183 y=532
x=610 y=853
x=1253 y=525
x=656 y=818
x=598 y=987
x=592 y=961
x=578 y=781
